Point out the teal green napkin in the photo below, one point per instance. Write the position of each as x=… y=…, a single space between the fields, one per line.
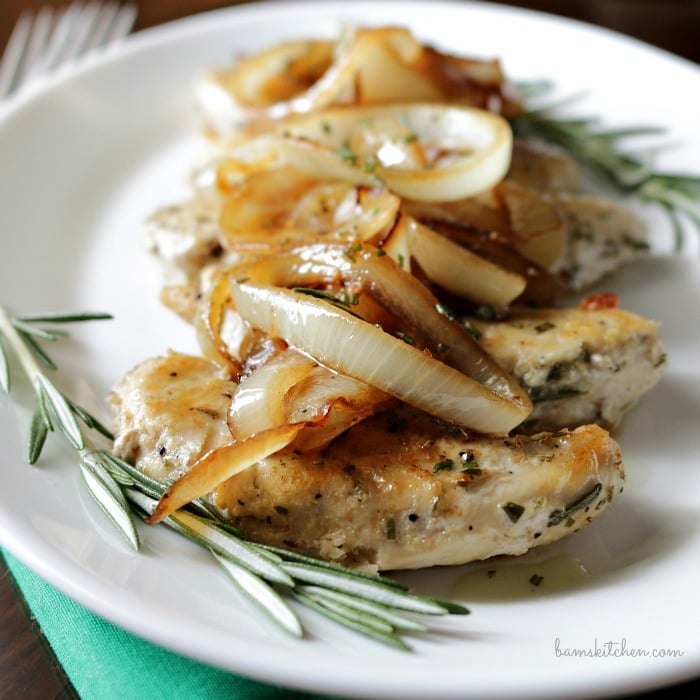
x=104 y=662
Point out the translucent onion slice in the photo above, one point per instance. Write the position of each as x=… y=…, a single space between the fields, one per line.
x=409 y=299
x=395 y=243
x=426 y=152
x=537 y=225
x=222 y=334
x=291 y=388
x=351 y=346
x=400 y=293
x=259 y=401
x=531 y=220
x=220 y=464
x=330 y=403
x=278 y=73
x=459 y=271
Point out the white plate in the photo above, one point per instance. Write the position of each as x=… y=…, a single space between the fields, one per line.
x=88 y=156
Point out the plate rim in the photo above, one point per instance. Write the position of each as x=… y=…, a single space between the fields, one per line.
x=168 y=32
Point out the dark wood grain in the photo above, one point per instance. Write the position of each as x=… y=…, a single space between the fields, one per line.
x=28 y=669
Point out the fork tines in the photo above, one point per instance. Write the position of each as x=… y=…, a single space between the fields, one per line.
x=42 y=41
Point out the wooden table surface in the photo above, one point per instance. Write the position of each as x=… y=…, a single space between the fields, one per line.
x=28 y=669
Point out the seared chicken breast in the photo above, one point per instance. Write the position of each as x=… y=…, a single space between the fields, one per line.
x=577 y=366
x=398 y=490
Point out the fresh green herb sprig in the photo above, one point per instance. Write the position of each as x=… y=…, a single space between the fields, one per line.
x=54 y=411
x=602 y=151
x=267 y=577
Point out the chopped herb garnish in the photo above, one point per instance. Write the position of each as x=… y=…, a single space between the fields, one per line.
x=442 y=465
x=544 y=326
x=446 y=311
x=469 y=464
x=557 y=516
x=513 y=510
x=343 y=300
x=406 y=338
x=346 y=154
x=486 y=312
x=472 y=330
x=536 y=579
x=538 y=394
x=350 y=251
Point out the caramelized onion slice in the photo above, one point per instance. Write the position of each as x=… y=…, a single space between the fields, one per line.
x=291 y=388
x=398 y=292
x=459 y=271
x=220 y=464
x=330 y=403
x=349 y=345
x=259 y=401
x=365 y=65
x=423 y=151
x=277 y=209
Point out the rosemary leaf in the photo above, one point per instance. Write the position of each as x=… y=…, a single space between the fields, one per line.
x=151 y=487
x=38 y=430
x=91 y=460
x=288 y=555
x=120 y=476
x=385 y=637
x=38 y=331
x=37 y=350
x=4 y=369
x=393 y=619
x=230 y=547
x=207 y=510
x=89 y=420
x=263 y=596
x=208 y=535
x=375 y=591
x=108 y=494
x=60 y=317
x=61 y=412
x=42 y=405
x=360 y=616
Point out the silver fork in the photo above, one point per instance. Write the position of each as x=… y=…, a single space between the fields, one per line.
x=42 y=42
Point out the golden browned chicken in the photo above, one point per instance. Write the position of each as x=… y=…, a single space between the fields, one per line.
x=398 y=490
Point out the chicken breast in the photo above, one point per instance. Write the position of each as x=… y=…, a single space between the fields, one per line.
x=399 y=490
x=578 y=366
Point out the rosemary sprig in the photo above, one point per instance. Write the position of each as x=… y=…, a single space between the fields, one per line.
x=602 y=151
x=267 y=577
x=53 y=410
